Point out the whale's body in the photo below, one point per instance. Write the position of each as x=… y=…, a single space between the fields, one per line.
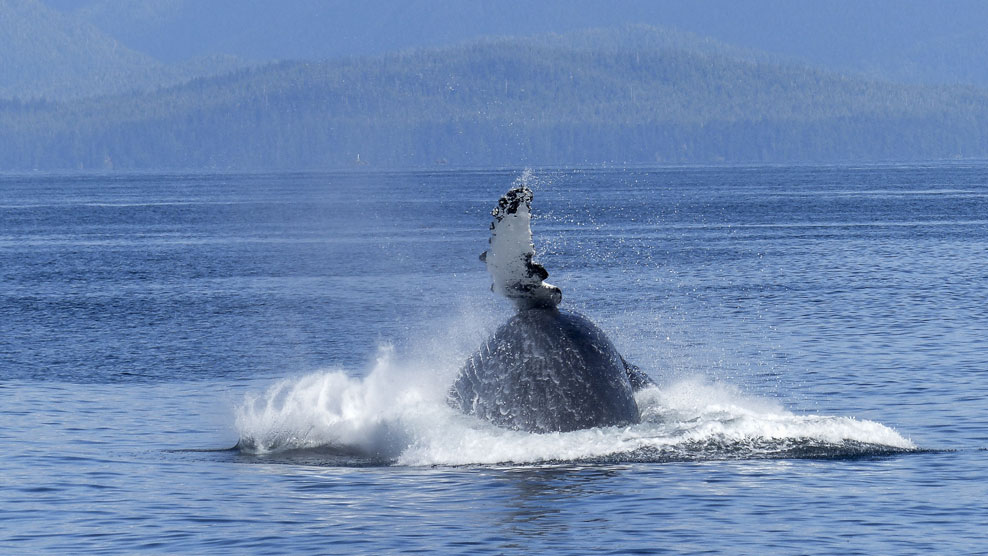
x=545 y=369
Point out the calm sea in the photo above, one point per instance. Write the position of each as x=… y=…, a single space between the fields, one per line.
x=819 y=335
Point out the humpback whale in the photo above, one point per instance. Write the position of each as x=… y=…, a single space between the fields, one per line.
x=546 y=369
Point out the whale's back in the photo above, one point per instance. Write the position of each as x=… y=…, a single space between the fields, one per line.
x=547 y=370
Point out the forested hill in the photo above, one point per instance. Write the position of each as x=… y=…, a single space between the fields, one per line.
x=912 y=41
x=47 y=54
x=631 y=95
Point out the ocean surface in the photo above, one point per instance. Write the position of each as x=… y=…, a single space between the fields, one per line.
x=819 y=336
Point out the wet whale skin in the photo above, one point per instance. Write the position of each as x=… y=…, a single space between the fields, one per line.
x=547 y=370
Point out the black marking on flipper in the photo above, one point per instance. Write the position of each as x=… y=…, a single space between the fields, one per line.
x=536 y=269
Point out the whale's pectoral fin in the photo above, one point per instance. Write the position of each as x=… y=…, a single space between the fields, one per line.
x=510 y=258
x=637 y=377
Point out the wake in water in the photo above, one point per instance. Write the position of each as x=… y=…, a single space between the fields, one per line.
x=397 y=415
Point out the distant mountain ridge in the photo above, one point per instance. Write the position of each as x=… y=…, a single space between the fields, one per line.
x=629 y=95
x=47 y=54
x=66 y=49
x=911 y=41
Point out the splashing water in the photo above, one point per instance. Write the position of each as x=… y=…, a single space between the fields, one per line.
x=526 y=179
x=397 y=415
x=374 y=416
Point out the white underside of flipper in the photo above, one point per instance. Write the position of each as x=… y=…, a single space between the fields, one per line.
x=510 y=257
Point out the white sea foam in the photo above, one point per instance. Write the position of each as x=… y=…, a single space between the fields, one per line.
x=397 y=413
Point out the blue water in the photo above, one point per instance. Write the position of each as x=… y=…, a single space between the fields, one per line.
x=819 y=335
